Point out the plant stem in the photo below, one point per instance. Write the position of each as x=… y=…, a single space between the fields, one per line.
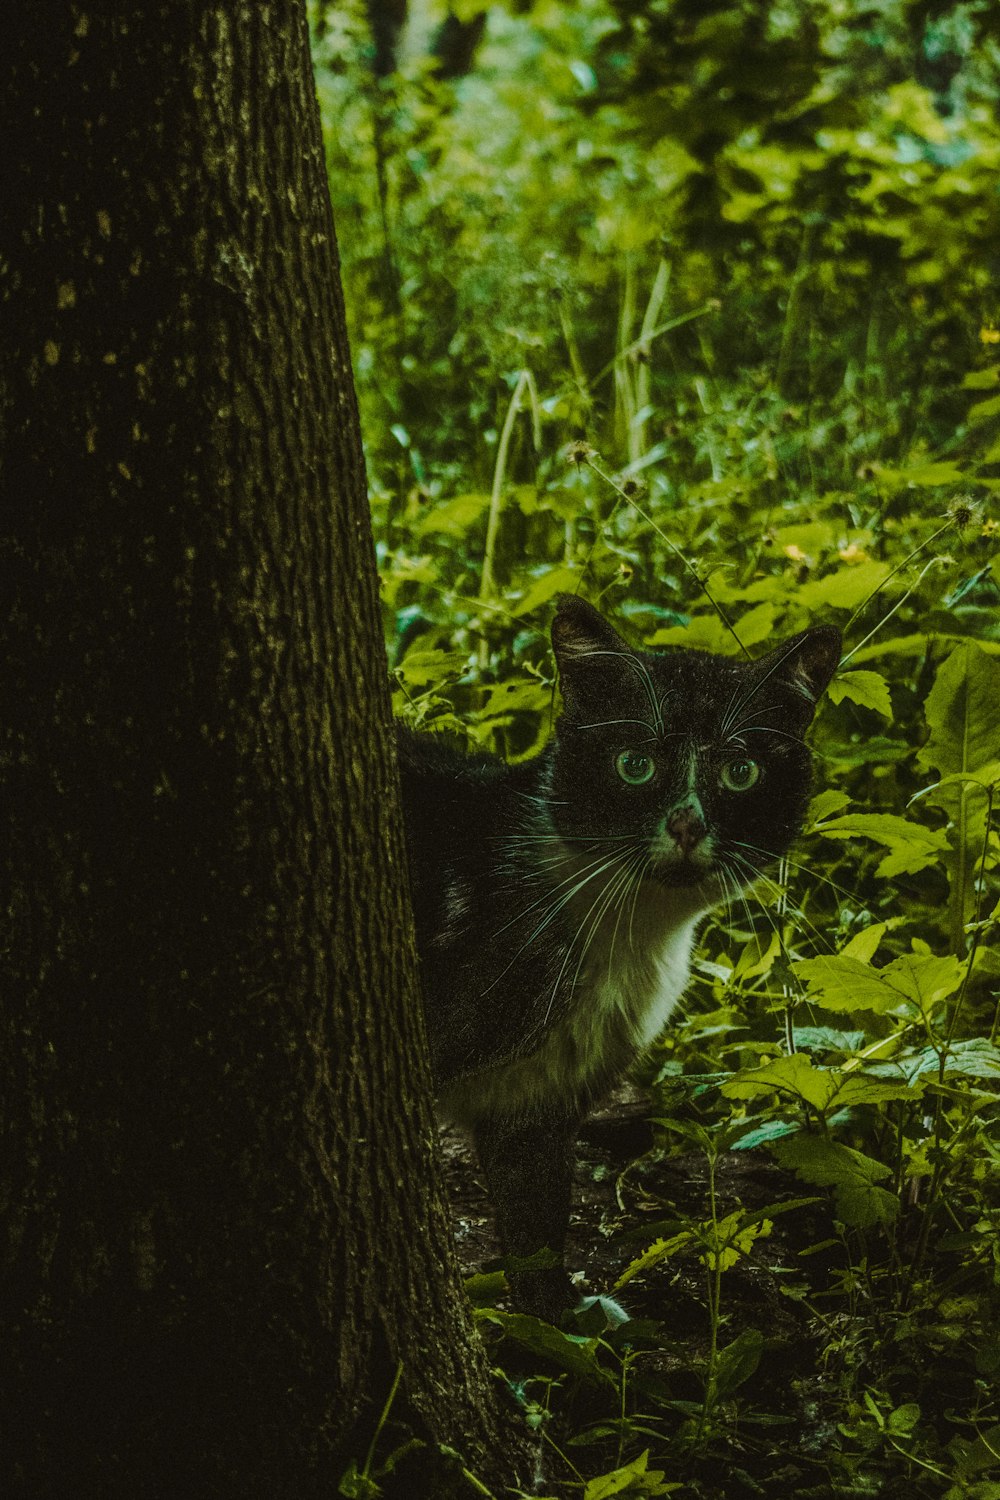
x=487 y=586
x=703 y=586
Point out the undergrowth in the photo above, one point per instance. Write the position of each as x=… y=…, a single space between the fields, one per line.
x=728 y=387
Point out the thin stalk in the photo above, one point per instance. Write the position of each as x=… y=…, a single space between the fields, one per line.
x=625 y=404
x=370 y=1455
x=572 y=347
x=525 y=382
x=637 y=430
x=898 y=605
x=897 y=569
x=671 y=323
x=591 y=463
x=714 y=1294
x=793 y=308
x=977 y=926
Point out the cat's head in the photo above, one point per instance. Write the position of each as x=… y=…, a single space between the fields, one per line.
x=694 y=762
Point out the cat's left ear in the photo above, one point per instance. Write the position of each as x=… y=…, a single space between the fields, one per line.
x=807 y=662
x=585 y=646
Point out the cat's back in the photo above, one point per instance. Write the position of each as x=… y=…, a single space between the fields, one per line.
x=453 y=803
x=441 y=783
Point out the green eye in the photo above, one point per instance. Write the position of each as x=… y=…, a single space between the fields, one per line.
x=634 y=767
x=740 y=775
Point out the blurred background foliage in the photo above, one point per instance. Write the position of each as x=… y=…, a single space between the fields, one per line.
x=747 y=251
x=693 y=307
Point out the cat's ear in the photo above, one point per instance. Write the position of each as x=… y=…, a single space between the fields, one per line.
x=584 y=645
x=807 y=662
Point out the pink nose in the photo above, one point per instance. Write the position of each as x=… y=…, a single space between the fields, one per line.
x=685 y=828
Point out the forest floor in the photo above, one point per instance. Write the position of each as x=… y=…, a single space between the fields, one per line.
x=780 y=1435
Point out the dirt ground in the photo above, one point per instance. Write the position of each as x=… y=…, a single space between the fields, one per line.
x=779 y=1443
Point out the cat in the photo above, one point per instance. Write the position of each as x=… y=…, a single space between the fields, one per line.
x=557 y=900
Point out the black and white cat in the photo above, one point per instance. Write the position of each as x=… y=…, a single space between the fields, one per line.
x=557 y=901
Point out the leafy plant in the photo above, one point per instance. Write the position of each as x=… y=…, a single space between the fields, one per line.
x=693 y=308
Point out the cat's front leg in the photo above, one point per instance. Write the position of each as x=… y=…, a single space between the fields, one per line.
x=527 y=1163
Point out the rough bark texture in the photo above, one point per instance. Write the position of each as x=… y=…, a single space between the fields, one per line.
x=221 y=1227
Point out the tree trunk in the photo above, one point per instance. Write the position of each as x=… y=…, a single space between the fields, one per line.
x=222 y=1225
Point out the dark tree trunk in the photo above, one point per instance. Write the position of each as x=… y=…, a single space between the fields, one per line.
x=222 y=1229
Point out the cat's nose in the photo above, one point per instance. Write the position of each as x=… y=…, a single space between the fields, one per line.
x=686 y=828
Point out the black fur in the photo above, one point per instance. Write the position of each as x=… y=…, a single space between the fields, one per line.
x=556 y=901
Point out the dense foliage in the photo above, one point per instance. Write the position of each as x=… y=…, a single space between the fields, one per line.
x=692 y=307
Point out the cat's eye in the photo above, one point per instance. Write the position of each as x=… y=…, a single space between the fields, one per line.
x=739 y=775
x=634 y=767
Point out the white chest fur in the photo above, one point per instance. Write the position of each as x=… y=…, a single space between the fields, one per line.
x=627 y=975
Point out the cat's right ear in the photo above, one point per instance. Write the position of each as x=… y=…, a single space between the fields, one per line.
x=584 y=644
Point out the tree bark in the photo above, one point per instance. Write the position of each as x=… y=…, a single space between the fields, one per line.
x=222 y=1226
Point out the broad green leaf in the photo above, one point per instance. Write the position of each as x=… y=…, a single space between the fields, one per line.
x=845 y=588
x=911 y=845
x=454 y=516
x=654 y=1253
x=575 y=1355
x=738 y=1361
x=853 y=1177
x=828 y=1039
x=635 y=1478
x=770 y=1130
x=793 y=1075
x=922 y=475
x=757 y=957
x=924 y=979
x=554 y=581
x=873 y=750
x=485 y=1288
x=846 y=984
x=824 y=805
x=731 y=1238
x=973 y=1057
x=962 y=713
x=707 y=632
x=861 y=1088
x=982 y=380
x=864 y=944
x=423 y=667
x=869 y=689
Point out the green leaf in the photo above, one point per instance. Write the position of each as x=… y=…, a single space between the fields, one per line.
x=636 y=1477
x=911 y=845
x=729 y=1239
x=853 y=1177
x=577 y=1356
x=864 y=944
x=654 y=1253
x=827 y=802
x=738 y=1361
x=869 y=689
x=757 y=957
x=553 y=581
x=973 y=1057
x=793 y=1075
x=708 y=633
x=961 y=713
x=921 y=475
x=924 y=979
x=454 y=516
x=422 y=667
x=845 y=588
x=846 y=984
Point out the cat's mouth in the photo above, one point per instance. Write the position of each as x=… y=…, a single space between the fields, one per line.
x=682 y=870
